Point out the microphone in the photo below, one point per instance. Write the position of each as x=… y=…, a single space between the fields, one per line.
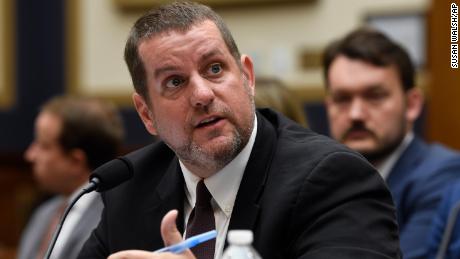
x=105 y=177
x=110 y=175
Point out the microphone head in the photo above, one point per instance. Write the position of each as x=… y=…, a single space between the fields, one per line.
x=112 y=173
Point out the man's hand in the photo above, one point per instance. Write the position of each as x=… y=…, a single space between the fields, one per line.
x=170 y=236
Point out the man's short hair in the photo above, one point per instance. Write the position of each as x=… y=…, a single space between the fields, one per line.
x=178 y=16
x=89 y=124
x=372 y=47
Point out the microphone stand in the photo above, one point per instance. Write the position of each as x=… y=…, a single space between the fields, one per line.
x=87 y=189
x=448 y=232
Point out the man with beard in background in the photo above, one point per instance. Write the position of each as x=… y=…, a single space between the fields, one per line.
x=372 y=104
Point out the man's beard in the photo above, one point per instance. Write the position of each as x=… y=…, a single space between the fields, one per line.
x=217 y=158
x=383 y=152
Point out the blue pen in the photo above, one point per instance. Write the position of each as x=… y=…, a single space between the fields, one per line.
x=188 y=243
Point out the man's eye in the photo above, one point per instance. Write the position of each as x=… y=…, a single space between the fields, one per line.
x=376 y=96
x=174 y=82
x=215 y=69
x=341 y=99
x=43 y=145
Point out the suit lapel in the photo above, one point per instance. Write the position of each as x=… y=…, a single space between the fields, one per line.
x=409 y=160
x=168 y=195
x=246 y=208
x=171 y=192
x=404 y=169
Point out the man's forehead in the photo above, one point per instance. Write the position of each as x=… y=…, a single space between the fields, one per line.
x=351 y=72
x=48 y=126
x=199 y=36
x=168 y=52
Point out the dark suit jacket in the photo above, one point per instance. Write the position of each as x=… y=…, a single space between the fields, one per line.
x=417 y=182
x=303 y=195
x=38 y=225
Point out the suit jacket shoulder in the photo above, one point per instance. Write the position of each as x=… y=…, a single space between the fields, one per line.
x=420 y=162
x=315 y=194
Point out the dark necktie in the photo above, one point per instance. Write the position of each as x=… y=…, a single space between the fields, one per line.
x=202 y=220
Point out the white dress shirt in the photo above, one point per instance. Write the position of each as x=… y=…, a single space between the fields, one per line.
x=223 y=187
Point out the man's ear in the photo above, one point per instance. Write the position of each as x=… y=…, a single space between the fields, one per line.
x=248 y=71
x=414 y=102
x=144 y=113
x=79 y=160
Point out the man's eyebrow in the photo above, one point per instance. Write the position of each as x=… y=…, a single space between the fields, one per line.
x=210 y=54
x=375 y=87
x=215 y=52
x=161 y=70
x=368 y=88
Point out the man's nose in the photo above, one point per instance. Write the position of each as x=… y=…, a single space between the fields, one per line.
x=29 y=155
x=357 y=110
x=202 y=92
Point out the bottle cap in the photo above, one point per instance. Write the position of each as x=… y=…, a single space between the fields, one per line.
x=240 y=237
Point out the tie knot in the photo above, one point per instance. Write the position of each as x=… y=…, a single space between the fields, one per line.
x=203 y=196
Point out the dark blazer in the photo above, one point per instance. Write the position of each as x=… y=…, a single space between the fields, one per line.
x=303 y=195
x=417 y=182
x=38 y=225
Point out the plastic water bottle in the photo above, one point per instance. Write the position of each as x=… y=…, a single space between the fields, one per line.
x=240 y=245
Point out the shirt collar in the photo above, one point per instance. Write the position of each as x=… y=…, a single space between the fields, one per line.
x=224 y=184
x=385 y=167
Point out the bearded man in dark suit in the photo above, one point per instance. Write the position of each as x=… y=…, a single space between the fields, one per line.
x=303 y=195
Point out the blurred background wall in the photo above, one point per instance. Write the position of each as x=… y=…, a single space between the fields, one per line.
x=76 y=47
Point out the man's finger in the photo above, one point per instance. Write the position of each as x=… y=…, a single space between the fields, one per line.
x=132 y=254
x=171 y=234
x=169 y=231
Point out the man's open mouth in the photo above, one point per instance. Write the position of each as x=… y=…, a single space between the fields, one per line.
x=208 y=122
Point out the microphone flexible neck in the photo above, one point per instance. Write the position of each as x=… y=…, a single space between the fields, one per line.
x=444 y=245
x=87 y=189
